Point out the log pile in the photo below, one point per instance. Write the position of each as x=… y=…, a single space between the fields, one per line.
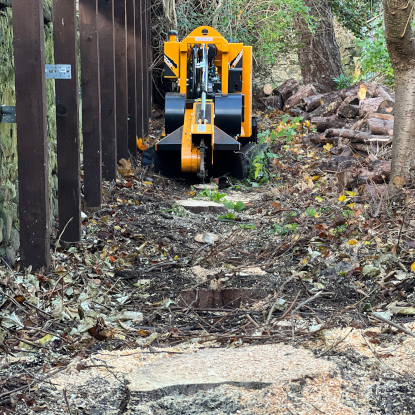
x=357 y=121
x=360 y=116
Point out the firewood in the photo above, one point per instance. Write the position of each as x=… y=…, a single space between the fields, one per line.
x=380 y=127
x=358 y=136
x=286 y=89
x=274 y=101
x=386 y=107
x=362 y=122
x=348 y=110
x=267 y=89
x=322 y=139
x=385 y=93
x=324 y=123
x=304 y=91
x=311 y=103
x=369 y=105
x=381 y=116
x=328 y=108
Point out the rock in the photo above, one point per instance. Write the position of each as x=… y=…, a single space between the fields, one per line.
x=206 y=238
x=199 y=206
x=370 y=271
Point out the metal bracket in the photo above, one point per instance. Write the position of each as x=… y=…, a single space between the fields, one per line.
x=58 y=71
x=7 y=114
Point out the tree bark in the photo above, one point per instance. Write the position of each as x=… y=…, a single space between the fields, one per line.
x=401 y=48
x=319 y=53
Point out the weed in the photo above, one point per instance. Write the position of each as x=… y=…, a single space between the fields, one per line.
x=285 y=229
x=236 y=206
x=214 y=196
x=342 y=81
x=247 y=226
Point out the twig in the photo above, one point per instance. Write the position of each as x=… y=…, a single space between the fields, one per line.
x=67 y=401
x=252 y=321
x=278 y=297
x=299 y=306
x=57 y=243
x=393 y=324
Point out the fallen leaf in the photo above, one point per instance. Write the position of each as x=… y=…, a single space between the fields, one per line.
x=399 y=181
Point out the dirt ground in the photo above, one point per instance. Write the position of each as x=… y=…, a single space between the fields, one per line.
x=293 y=262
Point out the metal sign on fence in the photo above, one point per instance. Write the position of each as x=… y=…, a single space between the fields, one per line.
x=58 y=71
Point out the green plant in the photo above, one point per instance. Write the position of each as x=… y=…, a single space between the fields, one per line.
x=285 y=229
x=288 y=129
x=375 y=61
x=247 y=226
x=212 y=195
x=228 y=216
x=342 y=81
x=310 y=212
x=236 y=206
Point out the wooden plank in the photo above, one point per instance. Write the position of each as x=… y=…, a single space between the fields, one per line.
x=132 y=91
x=67 y=121
x=107 y=77
x=32 y=146
x=121 y=78
x=146 y=70
x=139 y=6
x=91 y=103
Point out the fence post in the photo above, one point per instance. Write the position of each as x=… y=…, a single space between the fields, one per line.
x=140 y=66
x=32 y=147
x=91 y=102
x=131 y=65
x=107 y=76
x=146 y=73
x=121 y=78
x=67 y=121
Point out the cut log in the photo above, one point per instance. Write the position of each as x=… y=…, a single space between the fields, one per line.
x=380 y=127
x=311 y=103
x=288 y=88
x=324 y=123
x=322 y=139
x=274 y=101
x=387 y=107
x=328 y=108
x=305 y=91
x=361 y=147
x=381 y=116
x=267 y=89
x=369 y=105
x=358 y=136
x=362 y=92
x=348 y=110
x=385 y=93
x=359 y=125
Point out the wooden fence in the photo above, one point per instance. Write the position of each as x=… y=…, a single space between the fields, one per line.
x=116 y=106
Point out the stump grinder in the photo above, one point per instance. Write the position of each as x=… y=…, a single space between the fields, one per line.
x=208 y=117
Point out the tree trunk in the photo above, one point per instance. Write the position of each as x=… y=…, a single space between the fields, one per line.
x=319 y=53
x=401 y=48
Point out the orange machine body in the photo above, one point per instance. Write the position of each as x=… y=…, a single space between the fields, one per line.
x=210 y=110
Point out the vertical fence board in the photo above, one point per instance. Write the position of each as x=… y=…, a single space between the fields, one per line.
x=67 y=121
x=107 y=77
x=29 y=57
x=150 y=60
x=131 y=65
x=91 y=102
x=120 y=21
x=139 y=70
x=146 y=92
